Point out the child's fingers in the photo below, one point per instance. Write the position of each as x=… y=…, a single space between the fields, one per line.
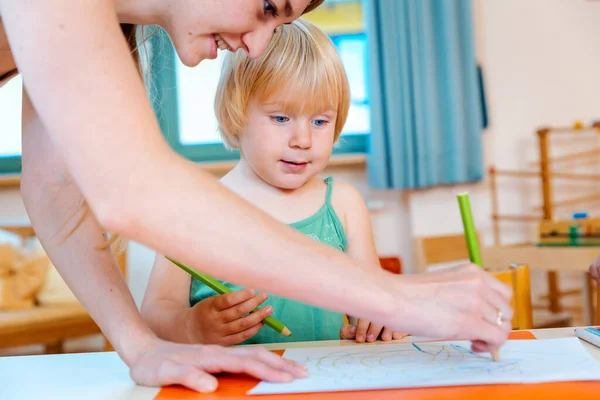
x=399 y=335
x=373 y=332
x=228 y=300
x=361 y=330
x=239 y=337
x=347 y=332
x=247 y=322
x=239 y=310
x=387 y=334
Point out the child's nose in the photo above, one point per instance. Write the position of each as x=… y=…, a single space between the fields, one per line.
x=301 y=137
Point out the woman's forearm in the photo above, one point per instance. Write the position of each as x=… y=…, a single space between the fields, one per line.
x=137 y=187
x=54 y=205
x=91 y=274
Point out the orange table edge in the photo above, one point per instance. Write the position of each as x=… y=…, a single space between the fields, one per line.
x=232 y=387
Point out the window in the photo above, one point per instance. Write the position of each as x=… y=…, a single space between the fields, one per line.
x=352 y=49
x=183 y=97
x=10 y=128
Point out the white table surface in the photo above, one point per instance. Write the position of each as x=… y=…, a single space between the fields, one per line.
x=104 y=376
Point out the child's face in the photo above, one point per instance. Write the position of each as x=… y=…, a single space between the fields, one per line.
x=286 y=150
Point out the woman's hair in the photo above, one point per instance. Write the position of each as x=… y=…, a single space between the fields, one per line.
x=300 y=66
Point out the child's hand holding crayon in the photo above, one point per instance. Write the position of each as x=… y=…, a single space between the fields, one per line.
x=595 y=269
x=364 y=331
x=226 y=319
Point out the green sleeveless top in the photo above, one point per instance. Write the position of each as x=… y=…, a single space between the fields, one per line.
x=307 y=323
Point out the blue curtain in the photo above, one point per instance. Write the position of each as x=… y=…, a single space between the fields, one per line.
x=426 y=115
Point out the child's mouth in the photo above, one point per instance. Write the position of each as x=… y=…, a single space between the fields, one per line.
x=294 y=166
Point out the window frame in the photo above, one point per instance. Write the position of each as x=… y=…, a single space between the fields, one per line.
x=10 y=165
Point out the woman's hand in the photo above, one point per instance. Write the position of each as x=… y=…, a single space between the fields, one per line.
x=463 y=302
x=226 y=319
x=163 y=363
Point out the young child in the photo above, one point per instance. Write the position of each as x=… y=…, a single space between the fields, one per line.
x=285 y=122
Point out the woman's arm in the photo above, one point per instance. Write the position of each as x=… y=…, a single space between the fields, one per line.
x=83 y=84
x=136 y=186
x=53 y=203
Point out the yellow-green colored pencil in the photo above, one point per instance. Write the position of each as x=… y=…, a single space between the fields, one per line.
x=471 y=236
x=222 y=289
x=469 y=227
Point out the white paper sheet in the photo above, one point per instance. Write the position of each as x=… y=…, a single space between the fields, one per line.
x=406 y=365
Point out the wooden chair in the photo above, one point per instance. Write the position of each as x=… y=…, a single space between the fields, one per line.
x=49 y=324
x=517 y=277
x=453 y=249
x=439 y=250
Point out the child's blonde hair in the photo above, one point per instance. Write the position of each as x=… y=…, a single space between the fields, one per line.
x=300 y=64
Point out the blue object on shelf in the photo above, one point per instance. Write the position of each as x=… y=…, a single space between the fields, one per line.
x=580 y=215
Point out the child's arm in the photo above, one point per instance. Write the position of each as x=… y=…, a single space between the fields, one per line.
x=218 y=319
x=361 y=246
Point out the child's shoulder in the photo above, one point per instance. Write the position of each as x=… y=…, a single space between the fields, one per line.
x=345 y=197
x=343 y=189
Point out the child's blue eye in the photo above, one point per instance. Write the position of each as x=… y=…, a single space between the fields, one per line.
x=319 y=122
x=280 y=119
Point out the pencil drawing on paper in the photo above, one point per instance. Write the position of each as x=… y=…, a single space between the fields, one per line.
x=424 y=361
x=427 y=364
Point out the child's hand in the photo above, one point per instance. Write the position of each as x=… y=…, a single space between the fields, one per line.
x=595 y=269
x=364 y=330
x=224 y=319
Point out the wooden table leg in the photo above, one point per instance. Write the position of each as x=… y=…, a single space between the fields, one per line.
x=553 y=295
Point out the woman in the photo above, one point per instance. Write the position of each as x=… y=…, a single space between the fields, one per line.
x=90 y=136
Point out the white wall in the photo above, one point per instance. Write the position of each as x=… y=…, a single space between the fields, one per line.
x=541 y=62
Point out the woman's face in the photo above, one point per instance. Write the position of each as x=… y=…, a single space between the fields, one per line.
x=199 y=28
